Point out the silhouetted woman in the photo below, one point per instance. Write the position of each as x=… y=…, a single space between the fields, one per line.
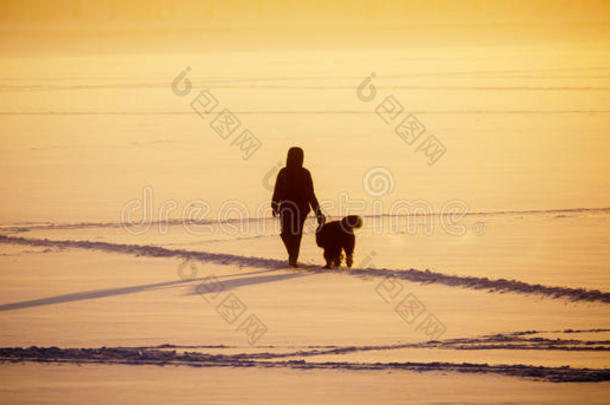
x=292 y=197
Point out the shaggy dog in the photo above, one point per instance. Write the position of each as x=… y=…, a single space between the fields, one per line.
x=336 y=236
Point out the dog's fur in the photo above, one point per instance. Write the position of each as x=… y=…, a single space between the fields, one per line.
x=336 y=237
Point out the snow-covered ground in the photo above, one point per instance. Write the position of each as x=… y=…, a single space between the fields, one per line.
x=88 y=286
x=152 y=384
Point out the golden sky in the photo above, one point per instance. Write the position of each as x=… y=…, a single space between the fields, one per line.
x=164 y=25
x=197 y=13
x=517 y=90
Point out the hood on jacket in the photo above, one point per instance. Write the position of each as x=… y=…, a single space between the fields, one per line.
x=295 y=157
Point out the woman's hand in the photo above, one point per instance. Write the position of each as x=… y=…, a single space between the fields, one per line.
x=321 y=218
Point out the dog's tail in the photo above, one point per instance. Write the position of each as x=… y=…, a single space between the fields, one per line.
x=351 y=222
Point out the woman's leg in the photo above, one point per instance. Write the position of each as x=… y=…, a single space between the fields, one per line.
x=300 y=221
x=292 y=229
x=286 y=220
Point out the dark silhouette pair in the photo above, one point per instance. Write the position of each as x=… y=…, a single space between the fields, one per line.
x=293 y=196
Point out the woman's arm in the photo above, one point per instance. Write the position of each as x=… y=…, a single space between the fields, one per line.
x=313 y=201
x=278 y=193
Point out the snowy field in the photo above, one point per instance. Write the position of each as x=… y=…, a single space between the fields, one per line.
x=355 y=332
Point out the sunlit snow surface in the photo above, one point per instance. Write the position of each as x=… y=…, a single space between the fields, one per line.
x=97 y=285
